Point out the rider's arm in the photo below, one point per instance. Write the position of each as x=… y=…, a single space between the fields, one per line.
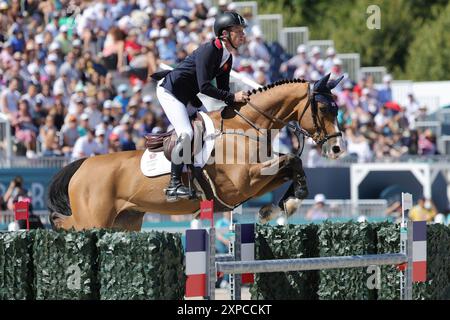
x=205 y=61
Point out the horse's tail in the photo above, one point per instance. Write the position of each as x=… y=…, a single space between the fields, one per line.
x=58 y=192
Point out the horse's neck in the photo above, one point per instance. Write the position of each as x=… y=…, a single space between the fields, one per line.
x=279 y=102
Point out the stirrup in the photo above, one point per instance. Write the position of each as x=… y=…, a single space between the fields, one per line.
x=172 y=193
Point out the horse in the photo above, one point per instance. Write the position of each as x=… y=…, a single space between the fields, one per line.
x=109 y=191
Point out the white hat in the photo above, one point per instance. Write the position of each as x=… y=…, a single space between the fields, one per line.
x=124 y=23
x=331 y=51
x=58 y=90
x=387 y=78
x=122 y=88
x=223 y=2
x=54 y=46
x=33 y=68
x=99 y=131
x=261 y=64
x=79 y=87
x=147 y=98
x=315 y=50
x=154 y=34
x=107 y=104
x=314 y=76
x=337 y=62
x=100 y=7
x=149 y=10
x=212 y=12
x=52 y=57
x=77 y=43
x=257 y=33
x=245 y=63
x=63 y=28
x=137 y=88
x=164 y=33
x=181 y=23
x=198 y=1
x=320 y=63
x=84 y=116
x=231 y=6
x=320 y=197
x=439 y=218
x=39 y=38
x=365 y=91
x=301 y=48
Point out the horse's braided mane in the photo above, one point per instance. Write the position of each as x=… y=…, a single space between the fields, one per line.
x=275 y=84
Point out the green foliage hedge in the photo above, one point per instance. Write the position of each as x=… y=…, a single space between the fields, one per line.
x=98 y=264
x=141 y=266
x=107 y=265
x=15 y=271
x=342 y=239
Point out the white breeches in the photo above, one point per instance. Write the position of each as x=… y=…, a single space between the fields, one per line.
x=176 y=111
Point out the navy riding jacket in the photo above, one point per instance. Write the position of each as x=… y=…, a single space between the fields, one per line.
x=195 y=74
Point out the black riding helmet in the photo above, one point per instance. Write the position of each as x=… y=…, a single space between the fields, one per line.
x=226 y=20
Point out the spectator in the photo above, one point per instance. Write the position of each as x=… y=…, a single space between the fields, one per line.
x=15 y=189
x=425 y=210
x=10 y=98
x=101 y=141
x=385 y=94
x=427 y=143
x=85 y=146
x=114 y=143
x=113 y=49
x=94 y=116
x=127 y=143
x=318 y=211
x=69 y=134
x=358 y=145
x=257 y=48
x=167 y=47
x=297 y=61
x=25 y=131
x=123 y=98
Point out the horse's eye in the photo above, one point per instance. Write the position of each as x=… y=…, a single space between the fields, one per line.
x=324 y=109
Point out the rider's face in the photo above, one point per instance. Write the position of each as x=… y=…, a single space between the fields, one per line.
x=237 y=36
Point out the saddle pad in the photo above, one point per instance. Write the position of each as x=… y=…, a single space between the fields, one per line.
x=155 y=163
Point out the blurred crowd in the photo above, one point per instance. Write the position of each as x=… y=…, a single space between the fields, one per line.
x=74 y=76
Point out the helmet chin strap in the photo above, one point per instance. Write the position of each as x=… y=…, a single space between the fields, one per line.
x=231 y=42
x=228 y=37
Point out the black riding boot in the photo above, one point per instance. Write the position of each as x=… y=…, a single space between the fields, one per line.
x=176 y=189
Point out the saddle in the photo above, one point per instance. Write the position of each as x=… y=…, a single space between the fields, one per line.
x=166 y=141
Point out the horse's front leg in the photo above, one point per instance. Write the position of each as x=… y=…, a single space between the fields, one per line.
x=299 y=187
x=297 y=191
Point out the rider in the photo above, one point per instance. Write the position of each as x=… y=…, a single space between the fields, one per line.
x=193 y=75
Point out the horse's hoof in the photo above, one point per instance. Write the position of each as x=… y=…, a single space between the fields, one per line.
x=267 y=213
x=291 y=205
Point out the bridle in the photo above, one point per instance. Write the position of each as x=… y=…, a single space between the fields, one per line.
x=319 y=126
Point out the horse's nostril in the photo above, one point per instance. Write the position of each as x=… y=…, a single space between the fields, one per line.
x=336 y=149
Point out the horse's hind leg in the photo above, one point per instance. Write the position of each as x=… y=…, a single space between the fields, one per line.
x=89 y=213
x=129 y=221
